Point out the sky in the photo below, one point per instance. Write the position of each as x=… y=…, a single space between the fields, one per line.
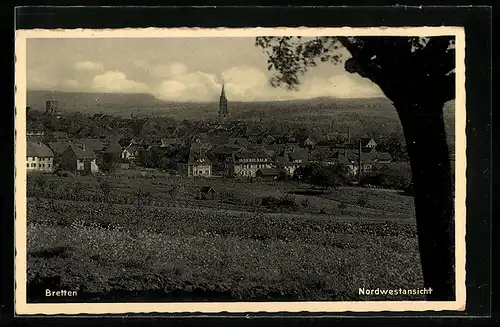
x=178 y=69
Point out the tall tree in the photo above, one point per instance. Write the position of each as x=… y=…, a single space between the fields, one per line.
x=418 y=75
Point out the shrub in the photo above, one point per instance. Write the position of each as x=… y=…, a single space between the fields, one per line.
x=305 y=203
x=284 y=202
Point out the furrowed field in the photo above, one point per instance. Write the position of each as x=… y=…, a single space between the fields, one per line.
x=144 y=238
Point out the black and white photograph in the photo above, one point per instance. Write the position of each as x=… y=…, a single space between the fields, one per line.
x=240 y=170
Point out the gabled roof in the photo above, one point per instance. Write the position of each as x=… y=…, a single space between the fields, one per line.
x=80 y=153
x=114 y=147
x=226 y=149
x=92 y=144
x=170 y=141
x=38 y=150
x=366 y=140
x=298 y=154
x=58 y=147
x=197 y=157
x=268 y=171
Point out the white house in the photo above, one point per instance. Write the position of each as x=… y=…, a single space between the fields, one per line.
x=246 y=163
x=197 y=165
x=39 y=157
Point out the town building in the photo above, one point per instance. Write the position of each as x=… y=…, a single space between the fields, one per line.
x=198 y=165
x=132 y=152
x=39 y=157
x=289 y=161
x=368 y=142
x=78 y=158
x=245 y=163
x=267 y=173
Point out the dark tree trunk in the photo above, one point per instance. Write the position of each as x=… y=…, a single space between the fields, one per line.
x=425 y=136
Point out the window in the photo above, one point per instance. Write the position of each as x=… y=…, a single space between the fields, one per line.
x=33 y=165
x=27 y=165
x=48 y=165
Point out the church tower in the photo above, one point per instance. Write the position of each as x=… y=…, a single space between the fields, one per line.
x=223 y=106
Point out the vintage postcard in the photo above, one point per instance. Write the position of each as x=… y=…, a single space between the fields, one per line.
x=240 y=170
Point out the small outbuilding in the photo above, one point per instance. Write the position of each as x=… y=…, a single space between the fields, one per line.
x=207 y=193
x=267 y=173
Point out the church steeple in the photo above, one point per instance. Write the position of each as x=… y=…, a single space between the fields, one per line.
x=223 y=106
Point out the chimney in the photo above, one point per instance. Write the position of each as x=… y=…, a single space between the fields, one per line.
x=82 y=146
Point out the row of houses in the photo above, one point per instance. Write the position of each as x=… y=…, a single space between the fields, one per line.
x=40 y=157
x=258 y=161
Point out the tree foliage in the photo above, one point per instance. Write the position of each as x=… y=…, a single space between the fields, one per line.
x=390 y=62
x=322 y=176
x=418 y=75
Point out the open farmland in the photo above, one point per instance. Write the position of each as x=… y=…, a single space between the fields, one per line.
x=146 y=240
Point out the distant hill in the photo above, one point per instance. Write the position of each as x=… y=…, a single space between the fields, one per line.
x=377 y=113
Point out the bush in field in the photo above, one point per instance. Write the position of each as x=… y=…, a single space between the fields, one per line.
x=105 y=188
x=342 y=206
x=305 y=203
x=284 y=202
x=322 y=176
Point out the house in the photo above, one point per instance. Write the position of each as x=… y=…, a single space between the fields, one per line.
x=132 y=152
x=245 y=163
x=368 y=142
x=198 y=165
x=149 y=126
x=267 y=173
x=291 y=160
x=39 y=157
x=78 y=158
x=207 y=192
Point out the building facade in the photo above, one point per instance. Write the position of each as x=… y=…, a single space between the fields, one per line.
x=39 y=157
x=198 y=165
x=78 y=158
x=246 y=163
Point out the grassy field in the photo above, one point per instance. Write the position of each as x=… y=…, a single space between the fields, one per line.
x=313 y=246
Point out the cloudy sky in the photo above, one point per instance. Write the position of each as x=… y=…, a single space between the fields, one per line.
x=178 y=69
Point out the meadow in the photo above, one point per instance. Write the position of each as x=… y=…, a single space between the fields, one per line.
x=147 y=237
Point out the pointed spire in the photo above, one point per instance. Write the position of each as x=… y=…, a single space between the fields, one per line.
x=223 y=93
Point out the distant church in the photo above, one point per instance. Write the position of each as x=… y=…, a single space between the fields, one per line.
x=223 y=106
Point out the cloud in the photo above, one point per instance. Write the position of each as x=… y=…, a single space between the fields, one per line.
x=117 y=82
x=197 y=86
x=245 y=83
x=37 y=80
x=89 y=66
